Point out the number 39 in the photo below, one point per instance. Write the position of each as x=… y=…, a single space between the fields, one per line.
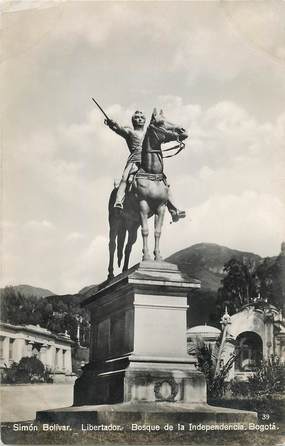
x=265 y=416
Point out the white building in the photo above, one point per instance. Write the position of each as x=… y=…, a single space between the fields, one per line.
x=18 y=341
x=206 y=333
x=257 y=331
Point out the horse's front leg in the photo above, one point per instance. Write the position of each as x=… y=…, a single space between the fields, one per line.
x=144 y=211
x=158 y=222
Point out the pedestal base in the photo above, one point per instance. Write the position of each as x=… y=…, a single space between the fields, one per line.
x=141 y=381
x=125 y=414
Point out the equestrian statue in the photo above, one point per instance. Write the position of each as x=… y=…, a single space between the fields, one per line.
x=143 y=191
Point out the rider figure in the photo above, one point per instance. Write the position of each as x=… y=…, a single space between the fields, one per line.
x=134 y=138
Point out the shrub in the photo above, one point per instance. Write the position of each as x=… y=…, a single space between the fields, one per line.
x=207 y=362
x=9 y=375
x=269 y=378
x=239 y=388
x=31 y=367
x=28 y=370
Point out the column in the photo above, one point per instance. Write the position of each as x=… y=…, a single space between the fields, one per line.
x=11 y=350
x=68 y=362
x=226 y=356
x=59 y=359
x=6 y=350
x=43 y=354
x=19 y=349
x=50 y=357
x=268 y=339
x=29 y=348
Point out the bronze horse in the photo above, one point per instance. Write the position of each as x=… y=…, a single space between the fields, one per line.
x=148 y=195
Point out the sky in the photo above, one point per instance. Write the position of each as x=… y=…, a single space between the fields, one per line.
x=216 y=68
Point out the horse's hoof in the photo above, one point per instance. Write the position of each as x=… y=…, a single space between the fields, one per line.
x=110 y=276
x=146 y=258
x=158 y=258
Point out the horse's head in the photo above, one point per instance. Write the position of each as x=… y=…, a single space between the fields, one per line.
x=166 y=130
x=159 y=132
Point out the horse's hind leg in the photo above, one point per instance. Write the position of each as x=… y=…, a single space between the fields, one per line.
x=112 y=248
x=113 y=232
x=144 y=211
x=132 y=237
x=158 y=222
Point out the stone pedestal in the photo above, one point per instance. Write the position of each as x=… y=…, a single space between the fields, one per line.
x=139 y=370
x=138 y=340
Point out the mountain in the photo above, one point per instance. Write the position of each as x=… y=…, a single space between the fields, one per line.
x=85 y=292
x=205 y=261
x=28 y=290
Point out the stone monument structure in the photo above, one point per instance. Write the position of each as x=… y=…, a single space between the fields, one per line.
x=139 y=370
x=138 y=350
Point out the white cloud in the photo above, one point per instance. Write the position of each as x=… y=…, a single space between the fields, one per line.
x=88 y=266
x=33 y=255
x=40 y=225
x=74 y=236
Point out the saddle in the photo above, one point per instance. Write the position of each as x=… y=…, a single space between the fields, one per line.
x=150 y=176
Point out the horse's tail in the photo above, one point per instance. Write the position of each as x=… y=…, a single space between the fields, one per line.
x=112 y=201
x=121 y=242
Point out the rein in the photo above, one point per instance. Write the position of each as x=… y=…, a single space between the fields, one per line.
x=177 y=147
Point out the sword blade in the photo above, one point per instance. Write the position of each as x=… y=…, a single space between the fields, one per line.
x=100 y=108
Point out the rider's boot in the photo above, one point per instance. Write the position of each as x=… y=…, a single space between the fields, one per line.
x=120 y=195
x=176 y=214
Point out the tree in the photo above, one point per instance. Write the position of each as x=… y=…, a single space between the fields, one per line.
x=56 y=313
x=16 y=308
x=271 y=277
x=239 y=286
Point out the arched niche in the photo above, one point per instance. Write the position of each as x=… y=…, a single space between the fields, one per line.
x=250 y=347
